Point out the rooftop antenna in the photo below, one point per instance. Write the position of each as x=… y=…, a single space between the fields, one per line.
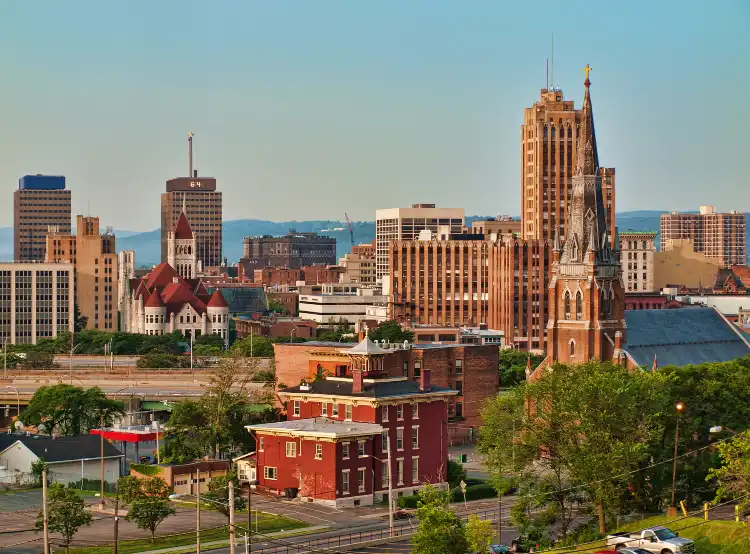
x=547 y=74
x=190 y=154
x=552 y=68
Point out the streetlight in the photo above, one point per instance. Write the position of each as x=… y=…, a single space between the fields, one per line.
x=718 y=429
x=18 y=401
x=291 y=335
x=680 y=407
x=72 y=350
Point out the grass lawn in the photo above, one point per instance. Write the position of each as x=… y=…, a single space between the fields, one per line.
x=710 y=537
x=267 y=523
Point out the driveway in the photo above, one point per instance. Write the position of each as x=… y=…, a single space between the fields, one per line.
x=15 y=501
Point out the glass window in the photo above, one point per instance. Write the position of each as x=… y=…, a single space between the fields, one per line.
x=260 y=444
x=385 y=413
x=415 y=470
x=400 y=438
x=318 y=451
x=335 y=410
x=345 y=450
x=400 y=468
x=415 y=410
x=345 y=482
x=361 y=479
x=349 y=412
x=400 y=411
x=269 y=472
x=361 y=449
x=415 y=437
x=296 y=408
x=324 y=409
x=384 y=441
x=459 y=367
x=291 y=449
x=417 y=369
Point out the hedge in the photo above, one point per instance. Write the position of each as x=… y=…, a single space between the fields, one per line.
x=475 y=491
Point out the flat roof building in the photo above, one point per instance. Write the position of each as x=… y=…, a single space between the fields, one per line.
x=41 y=203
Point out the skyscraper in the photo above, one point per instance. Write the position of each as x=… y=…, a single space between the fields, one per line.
x=549 y=136
x=203 y=208
x=40 y=204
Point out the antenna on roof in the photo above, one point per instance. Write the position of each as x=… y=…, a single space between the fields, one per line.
x=553 y=61
x=190 y=154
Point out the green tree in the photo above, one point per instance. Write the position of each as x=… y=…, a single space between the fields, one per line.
x=206 y=350
x=456 y=473
x=37 y=470
x=70 y=410
x=129 y=488
x=733 y=477
x=277 y=307
x=391 y=331
x=513 y=363
x=479 y=533
x=39 y=360
x=440 y=530
x=79 y=321
x=255 y=346
x=218 y=490
x=209 y=340
x=148 y=513
x=66 y=513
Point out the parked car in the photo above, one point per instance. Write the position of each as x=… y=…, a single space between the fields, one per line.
x=632 y=551
x=654 y=540
x=499 y=549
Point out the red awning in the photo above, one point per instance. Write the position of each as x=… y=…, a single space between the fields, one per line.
x=126 y=436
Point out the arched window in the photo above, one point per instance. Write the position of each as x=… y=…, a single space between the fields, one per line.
x=579 y=305
x=567 y=304
x=608 y=304
x=602 y=303
x=572 y=348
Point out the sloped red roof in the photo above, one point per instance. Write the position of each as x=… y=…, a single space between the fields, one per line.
x=155 y=301
x=176 y=295
x=142 y=290
x=217 y=301
x=182 y=228
x=161 y=276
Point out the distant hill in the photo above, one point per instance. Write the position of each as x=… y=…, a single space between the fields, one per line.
x=148 y=249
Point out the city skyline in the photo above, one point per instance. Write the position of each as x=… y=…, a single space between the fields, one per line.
x=331 y=106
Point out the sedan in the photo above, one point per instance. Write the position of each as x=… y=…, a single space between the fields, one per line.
x=633 y=551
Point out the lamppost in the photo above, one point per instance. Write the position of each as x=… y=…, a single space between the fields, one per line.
x=680 y=407
x=291 y=335
x=18 y=401
x=72 y=350
x=718 y=429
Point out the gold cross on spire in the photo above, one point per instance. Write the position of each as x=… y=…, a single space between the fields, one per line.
x=587 y=69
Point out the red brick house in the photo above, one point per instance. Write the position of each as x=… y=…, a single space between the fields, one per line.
x=334 y=447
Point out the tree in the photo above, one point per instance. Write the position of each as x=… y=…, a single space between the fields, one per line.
x=440 y=530
x=456 y=473
x=209 y=339
x=513 y=363
x=66 y=513
x=148 y=513
x=577 y=429
x=733 y=477
x=79 y=321
x=277 y=307
x=479 y=533
x=391 y=331
x=70 y=410
x=255 y=346
x=219 y=492
x=37 y=470
x=129 y=488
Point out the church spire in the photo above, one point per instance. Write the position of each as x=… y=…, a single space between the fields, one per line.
x=587 y=161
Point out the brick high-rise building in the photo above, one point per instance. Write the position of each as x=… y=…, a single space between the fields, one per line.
x=549 y=136
x=293 y=251
x=95 y=260
x=720 y=236
x=41 y=203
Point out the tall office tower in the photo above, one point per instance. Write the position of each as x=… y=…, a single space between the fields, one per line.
x=40 y=203
x=36 y=301
x=203 y=208
x=94 y=258
x=637 y=250
x=406 y=224
x=549 y=138
x=720 y=236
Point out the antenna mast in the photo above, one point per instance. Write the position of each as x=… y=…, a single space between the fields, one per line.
x=547 y=74
x=190 y=154
x=553 y=61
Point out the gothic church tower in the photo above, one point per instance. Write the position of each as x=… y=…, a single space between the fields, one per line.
x=181 y=252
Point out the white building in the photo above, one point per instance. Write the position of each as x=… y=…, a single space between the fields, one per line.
x=637 y=260
x=36 y=301
x=406 y=223
x=339 y=301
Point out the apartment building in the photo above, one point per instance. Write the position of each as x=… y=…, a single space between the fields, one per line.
x=41 y=203
x=359 y=265
x=293 y=251
x=720 y=236
x=637 y=250
x=500 y=226
x=36 y=301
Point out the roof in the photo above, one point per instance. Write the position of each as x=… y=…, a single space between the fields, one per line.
x=372 y=388
x=182 y=228
x=61 y=449
x=727 y=280
x=319 y=427
x=154 y=301
x=366 y=348
x=682 y=337
x=217 y=300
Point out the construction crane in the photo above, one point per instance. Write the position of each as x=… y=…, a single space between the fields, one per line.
x=351 y=231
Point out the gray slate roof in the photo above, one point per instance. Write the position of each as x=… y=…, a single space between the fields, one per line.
x=61 y=449
x=682 y=337
x=378 y=389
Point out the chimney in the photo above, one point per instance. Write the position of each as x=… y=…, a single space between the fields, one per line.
x=356 y=381
x=618 y=340
x=424 y=379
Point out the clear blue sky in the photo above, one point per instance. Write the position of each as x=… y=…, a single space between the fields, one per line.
x=309 y=109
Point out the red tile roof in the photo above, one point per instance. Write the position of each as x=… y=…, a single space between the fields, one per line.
x=182 y=229
x=161 y=276
x=155 y=301
x=176 y=295
x=217 y=301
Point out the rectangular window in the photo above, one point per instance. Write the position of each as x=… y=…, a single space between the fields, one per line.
x=400 y=411
x=384 y=475
x=459 y=409
x=415 y=436
x=269 y=472
x=345 y=450
x=406 y=369
x=260 y=444
x=385 y=414
x=415 y=470
x=400 y=438
x=318 y=451
x=417 y=368
x=345 y=482
x=400 y=473
x=459 y=367
x=384 y=441
x=361 y=449
x=291 y=449
x=361 y=479
x=348 y=409
x=324 y=409
x=335 y=410
x=415 y=411
x=296 y=408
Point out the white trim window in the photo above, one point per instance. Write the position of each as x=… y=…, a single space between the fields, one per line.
x=415 y=437
x=318 y=451
x=399 y=438
x=384 y=416
x=345 y=481
x=260 y=443
x=415 y=469
x=296 y=408
x=291 y=449
x=361 y=449
x=384 y=441
x=345 y=450
x=400 y=471
x=415 y=410
x=400 y=412
x=384 y=475
x=335 y=410
x=324 y=409
x=348 y=412
x=361 y=479
x=269 y=473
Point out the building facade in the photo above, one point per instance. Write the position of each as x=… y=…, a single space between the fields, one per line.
x=339 y=301
x=678 y=264
x=405 y=224
x=637 y=249
x=549 y=135
x=36 y=301
x=201 y=203
x=292 y=251
x=359 y=265
x=94 y=257
x=720 y=236
x=41 y=204
x=500 y=226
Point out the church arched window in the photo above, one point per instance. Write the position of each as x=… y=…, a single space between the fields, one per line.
x=608 y=303
x=579 y=305
x=572 y=346
x=567 y=304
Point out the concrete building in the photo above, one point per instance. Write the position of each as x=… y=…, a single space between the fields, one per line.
x=440 y=282
x=359 y=265
x=125 y=272
x=405 y=224
x=549 y=138
x=95 y=260
x=274 y=326
x=201 y=203
x=637 y=249
x=40 y=204
x=339 y=301
x=720 y=236
x=429 y=334
x=500 y=226
x=36 y=301
x=678 y=264
x=292 y=251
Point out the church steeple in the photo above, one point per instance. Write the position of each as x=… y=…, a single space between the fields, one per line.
x=587 y=161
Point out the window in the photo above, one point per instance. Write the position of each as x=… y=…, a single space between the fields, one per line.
x=567 y=304
x=384 y=441
x=459 y=367
x=406 y=369
x=291 y=449
x=459 y=409
x=579 y=305
x=415 y=470
x=361 y=479
x=400 y=438
x=361 y=449
x=345 y=482
x=269 y=472
x=335 y=410
x=345 y=450
x=417 y=368
x=572 y=348
x=348 y=408
x=324 y=409
x=400 y=411
x=385 y=414
x=296 y=408
x=400 y=468
x=415 y=436
x=260 y=444
x=318 y=451
x=384 y=475
x=415 y=411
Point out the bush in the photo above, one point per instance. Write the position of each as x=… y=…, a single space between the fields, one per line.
x=146 y=469
x=163 y=361
x=474 y=492
x=456 y=473
x=407 y=502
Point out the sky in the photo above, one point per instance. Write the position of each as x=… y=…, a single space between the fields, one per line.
x=309 y=109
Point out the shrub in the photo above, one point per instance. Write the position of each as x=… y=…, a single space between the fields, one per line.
x=473 y=492
x=407 y=502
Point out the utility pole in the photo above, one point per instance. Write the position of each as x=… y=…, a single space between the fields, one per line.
x=249 y=537
x=70 y=367
x=231 y=517
x=158 y=455
x=101 y=461
x=116 y=521
x=5 y=357
x=198 y=511
x=499 y=517
x=44 y=511
x=390 y=486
